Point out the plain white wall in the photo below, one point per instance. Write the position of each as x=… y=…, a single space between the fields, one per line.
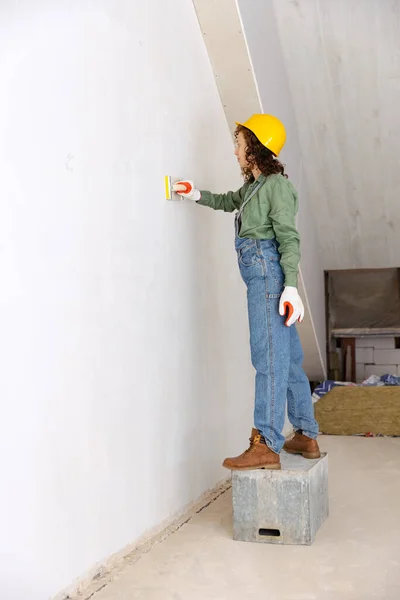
x=126 y=375
x=264 y=45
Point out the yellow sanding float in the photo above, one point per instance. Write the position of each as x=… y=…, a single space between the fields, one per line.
x=171 y=187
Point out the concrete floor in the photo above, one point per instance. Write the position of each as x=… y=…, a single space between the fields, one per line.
x=356 y=554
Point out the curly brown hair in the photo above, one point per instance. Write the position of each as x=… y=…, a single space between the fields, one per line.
x=257 y=155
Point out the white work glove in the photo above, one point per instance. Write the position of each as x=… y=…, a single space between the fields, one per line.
x=187 y=190
x=291 y=300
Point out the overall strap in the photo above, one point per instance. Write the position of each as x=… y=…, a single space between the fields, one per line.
x=260 y=183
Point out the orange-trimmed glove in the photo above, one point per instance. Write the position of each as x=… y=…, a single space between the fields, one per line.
x=187 y=190
x=290 y=301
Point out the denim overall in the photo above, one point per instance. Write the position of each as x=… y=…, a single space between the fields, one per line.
x=276 y=351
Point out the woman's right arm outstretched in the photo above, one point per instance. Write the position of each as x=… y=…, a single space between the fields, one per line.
x=227 y=202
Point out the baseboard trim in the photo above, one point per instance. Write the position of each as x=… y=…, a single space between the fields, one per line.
x=100 y=576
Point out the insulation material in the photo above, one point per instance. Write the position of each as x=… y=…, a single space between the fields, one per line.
x=359 y=410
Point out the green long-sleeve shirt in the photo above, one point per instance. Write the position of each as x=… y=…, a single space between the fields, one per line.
x=270 y=213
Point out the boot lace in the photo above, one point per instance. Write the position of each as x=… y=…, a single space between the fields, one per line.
x=253 y=443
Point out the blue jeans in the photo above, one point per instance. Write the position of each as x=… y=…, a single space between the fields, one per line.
x=276 y=351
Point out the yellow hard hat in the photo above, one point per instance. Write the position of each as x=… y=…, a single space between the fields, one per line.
x=269 y=130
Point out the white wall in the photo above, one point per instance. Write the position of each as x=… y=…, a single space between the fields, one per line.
x=342 y=59
x=376 y=356
x=261 y=32
x=119 y=397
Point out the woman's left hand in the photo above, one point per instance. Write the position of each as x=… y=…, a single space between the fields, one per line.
x=291 y=300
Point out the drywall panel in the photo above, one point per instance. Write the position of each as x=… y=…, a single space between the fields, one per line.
x=342 y=60
x=226 y=45
x=125 y=378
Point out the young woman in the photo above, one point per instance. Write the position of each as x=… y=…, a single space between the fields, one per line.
x=267 y=245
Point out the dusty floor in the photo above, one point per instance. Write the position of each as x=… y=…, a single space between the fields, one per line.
x=356 y=554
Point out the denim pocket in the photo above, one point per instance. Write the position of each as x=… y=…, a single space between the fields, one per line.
x=274 y=268
x=248 y=255
x=276 y=271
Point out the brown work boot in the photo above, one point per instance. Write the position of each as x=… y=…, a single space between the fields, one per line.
x=301 y=444
x=257 y=456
